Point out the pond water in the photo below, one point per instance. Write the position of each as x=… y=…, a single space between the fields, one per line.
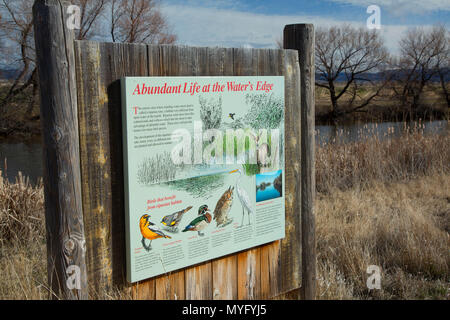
x=384 y=130
x=27 y=156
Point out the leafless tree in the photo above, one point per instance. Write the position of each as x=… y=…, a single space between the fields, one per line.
x=139 y=21
x=344 y=58
x=424 y=55
x=1 y=26
x=2 y=39
x=444 y=71
x=131 y=21
x=279 y=42
x=16 y=26
x=90 y=14
x=17 y=29
x=443 y=63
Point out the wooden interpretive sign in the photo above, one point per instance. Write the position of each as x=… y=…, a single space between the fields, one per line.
x=203 y=168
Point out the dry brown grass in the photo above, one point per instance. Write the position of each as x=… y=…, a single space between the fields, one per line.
x=21 y=210
x=384 y=203
x=22 y=240
x=402 y=227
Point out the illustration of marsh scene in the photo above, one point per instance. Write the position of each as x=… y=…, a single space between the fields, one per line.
x=247 y=137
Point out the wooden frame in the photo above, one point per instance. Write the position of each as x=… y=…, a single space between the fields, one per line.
x=81 y=119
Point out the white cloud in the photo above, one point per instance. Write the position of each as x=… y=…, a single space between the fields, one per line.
x=200 y=26
x=402 y=7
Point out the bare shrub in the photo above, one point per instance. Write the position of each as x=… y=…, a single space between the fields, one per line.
x=396 y=226
x=21 y=211
x=414 y=154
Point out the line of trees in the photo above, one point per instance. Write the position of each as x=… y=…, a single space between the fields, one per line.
x=128 y=20
x=347 y=57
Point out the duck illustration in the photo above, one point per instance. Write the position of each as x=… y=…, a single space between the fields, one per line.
x=201 y=222
x=172 y=221
x=243 y=197
x=150 y=231
x=223 y=207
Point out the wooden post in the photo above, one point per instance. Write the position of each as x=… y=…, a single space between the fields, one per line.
x=301 y=38
x=59 y=117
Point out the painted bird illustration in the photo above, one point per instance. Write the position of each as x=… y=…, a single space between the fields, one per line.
x=231 y=115
x=150 y=231
x=201 y=222
x=223 y=207
x=171 y=222
x=243 y=197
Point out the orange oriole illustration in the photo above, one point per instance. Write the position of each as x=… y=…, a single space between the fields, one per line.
x=150 y=231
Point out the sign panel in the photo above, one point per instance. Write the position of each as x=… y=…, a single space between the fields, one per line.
x=203 y=166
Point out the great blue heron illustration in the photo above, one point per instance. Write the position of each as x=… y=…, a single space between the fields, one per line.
x=243 y=197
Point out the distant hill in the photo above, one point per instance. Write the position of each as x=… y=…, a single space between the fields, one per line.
x=377 y=76
x=8 y=74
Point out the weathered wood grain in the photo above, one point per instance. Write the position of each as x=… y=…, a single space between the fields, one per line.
x=225 y=278
x=63 y=204
x=172 y=286
x=291 y=245
x=224 y=270
x=125 y=60
x=185 y=61
x=249 y=271
x=301 y=37
x=95 y=174
x=270 y=63
x=144 y=290
x=99 y=68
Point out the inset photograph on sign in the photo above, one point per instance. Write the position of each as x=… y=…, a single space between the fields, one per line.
x=201 y=154
x=269 y=185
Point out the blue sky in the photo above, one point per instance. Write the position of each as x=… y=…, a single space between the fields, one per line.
x=258 y=23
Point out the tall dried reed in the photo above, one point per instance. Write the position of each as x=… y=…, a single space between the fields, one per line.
x=22 y=240
x=402 y=227
x=158 y=168
x=21 y=210
x=384 y=202
x=386 y=159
